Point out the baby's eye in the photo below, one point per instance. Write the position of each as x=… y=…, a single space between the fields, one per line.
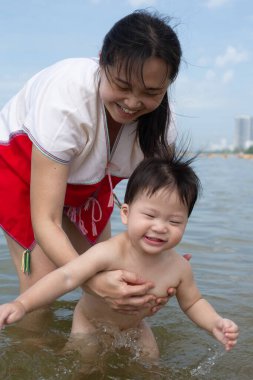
x=175 y=222
x=149 y=215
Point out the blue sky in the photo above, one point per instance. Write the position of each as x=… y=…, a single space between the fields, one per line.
x=215 y=83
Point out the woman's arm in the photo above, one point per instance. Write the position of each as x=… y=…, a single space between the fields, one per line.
x=120 y=289
x=48 y=187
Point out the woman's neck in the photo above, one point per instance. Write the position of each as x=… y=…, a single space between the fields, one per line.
x=113 y=129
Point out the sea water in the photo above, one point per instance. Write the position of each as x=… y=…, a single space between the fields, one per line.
x=220 y=238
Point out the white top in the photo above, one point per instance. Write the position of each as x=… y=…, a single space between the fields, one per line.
x=61 y=111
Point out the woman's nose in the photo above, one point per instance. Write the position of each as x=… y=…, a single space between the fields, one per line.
x=133 y=102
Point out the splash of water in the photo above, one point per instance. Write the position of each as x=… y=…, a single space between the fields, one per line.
x=206 y=365
x=122 y=339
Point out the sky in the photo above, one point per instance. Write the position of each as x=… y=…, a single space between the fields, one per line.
x=215 y=82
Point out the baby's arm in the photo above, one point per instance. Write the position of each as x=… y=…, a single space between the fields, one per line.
x=10 y=313
x=56 y=283
x=202 y=313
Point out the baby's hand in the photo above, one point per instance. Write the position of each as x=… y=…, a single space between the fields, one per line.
x=226 y=332
x=11 y=312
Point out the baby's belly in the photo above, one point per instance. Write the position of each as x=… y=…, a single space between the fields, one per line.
x=97 y=312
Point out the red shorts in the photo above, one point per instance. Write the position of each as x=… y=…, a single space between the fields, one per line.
x=88 y=206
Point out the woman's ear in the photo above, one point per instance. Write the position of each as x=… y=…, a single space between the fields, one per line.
x=124 y=213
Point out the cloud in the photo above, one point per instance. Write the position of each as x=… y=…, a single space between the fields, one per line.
x=203 y=61
x=205 y=93
x=210 y=75
x=141 y=3
x=210 y=88
x=231 y=56
x=216 y=3
x=228 y=76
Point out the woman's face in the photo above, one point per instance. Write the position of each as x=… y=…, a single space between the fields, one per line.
x=127 y=101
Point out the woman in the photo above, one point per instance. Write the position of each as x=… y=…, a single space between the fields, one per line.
x=69 y=136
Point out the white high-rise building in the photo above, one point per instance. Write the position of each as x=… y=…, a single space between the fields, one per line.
x=243 y=132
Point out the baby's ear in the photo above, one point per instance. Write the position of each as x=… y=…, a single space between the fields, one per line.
x=124 y=213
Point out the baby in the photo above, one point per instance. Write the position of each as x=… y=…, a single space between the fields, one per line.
x=159 y=199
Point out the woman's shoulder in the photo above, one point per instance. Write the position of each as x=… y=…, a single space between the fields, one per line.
x=79 y=71
x=76 y=65
x=62 y=108
x=75 y=62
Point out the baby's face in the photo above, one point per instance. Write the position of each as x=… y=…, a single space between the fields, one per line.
x=156 y=223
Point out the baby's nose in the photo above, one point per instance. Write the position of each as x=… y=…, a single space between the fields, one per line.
x=160 y=226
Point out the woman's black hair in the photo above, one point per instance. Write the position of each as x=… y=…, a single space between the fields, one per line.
x=130 y=42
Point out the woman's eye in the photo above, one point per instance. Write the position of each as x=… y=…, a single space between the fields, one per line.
x=122 y=88
x=150 y=94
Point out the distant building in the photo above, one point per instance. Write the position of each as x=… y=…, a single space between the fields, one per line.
x=243 y=132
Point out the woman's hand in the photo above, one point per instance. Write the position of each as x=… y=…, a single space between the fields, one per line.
x=187 y=256
x=123 y=291
x=161 y=301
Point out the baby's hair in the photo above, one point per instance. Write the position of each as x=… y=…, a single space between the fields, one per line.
x=130 y=42
x=174 y=172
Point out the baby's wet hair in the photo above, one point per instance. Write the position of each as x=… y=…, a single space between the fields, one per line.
x=172 y=172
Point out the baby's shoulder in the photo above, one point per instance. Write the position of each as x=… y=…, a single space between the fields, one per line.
x=182 y=263
x=116 y=244
x=114 y=249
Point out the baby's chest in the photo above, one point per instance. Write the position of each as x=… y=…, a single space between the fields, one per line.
x=162 y=283
x=162 y=278
x=163 y=273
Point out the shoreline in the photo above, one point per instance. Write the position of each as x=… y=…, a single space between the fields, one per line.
x=228 y=155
